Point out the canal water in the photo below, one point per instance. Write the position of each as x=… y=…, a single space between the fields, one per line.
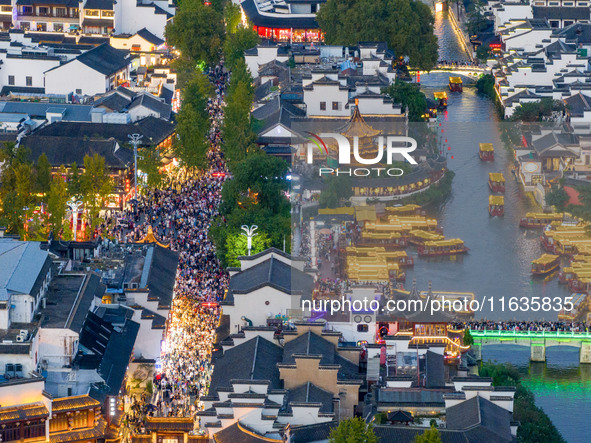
x=499 y=261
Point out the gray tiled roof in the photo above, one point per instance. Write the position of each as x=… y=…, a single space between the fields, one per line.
x=21 y=264
x=274 y=273
x=254 y=359
x=310 y=393
x=479 y=412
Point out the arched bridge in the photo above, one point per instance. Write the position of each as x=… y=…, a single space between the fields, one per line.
x=537 y=341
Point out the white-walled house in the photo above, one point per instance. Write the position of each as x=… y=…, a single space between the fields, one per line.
x=24 y=70
x=263 y=54
x=95 y=72
x=267 y=284
x=153 y=15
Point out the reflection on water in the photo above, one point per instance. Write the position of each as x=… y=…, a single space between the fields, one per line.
x=561 y=386
x=499 y=261
x=500 y=252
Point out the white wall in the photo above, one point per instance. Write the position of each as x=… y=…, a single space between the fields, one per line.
x=148 y=341
x=511 y=12
x=327 y=94
x=130 y=18
x=73 y=76
x=57 y=346
x=22 y=393
x=21 y=68
x=253 y=307
x=525 y=39
x=265 y=55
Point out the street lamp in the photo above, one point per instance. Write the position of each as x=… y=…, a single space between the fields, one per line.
x=74 y=206
x=135 y=139
x=249 y=234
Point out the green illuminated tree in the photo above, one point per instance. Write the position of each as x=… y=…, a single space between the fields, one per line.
x=411 y=98
x=43 y=174
x=236 y=245
x=56 y=203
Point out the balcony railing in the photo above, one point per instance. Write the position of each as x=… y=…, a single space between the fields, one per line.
x=45 y=15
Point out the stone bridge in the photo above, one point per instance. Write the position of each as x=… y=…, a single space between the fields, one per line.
x=537 y=341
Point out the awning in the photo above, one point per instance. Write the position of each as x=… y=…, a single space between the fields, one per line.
x=97 y=22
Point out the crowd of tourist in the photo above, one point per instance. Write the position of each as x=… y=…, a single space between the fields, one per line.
x=538 y=325
x=179 y=214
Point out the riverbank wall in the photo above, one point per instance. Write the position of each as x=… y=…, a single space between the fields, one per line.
x=463 y=36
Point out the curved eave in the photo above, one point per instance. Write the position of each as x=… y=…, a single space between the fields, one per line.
x=278 y=21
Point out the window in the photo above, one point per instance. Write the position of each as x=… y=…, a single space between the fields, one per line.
x=25 y=26
x=568 y=4
x=553 y=3
x=29 y=81
x=43 y=11
x=583 y=4
x=6 y=8
x=11 y=80
x=27 y=10
x=61 y=12
x=107 y=13
x=79 y=91
x=539 y=3
x=91 y=13
x=567 y=23
x=58 y=27
x=42 y=27
x=336 y=106
x=554 y=24
x=323 y=106
x=362 y=328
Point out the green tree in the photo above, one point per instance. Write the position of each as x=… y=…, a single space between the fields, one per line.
x=232 y=17
x=406 y=25
x=193 y=122
x=468 y=339
x=197 y=31
x=238 y=42
x=431 y=435
x=411 y=98
x=237 y=246
x=486 y=85
x=476 y=20
x=95 y=185
x=74 y=180
x=557 y=197
x=255 y=196
x=483 y=53
x=239 y=138
x=43 y=174
x=150 y=163
x=543 y=109
x=338 y=189
x=353 y=430
x=56 y=203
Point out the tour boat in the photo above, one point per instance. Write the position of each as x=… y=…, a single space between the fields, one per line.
x=440 y=99
x=533 y=220
x=486 y=152
x=496 y=182
x=455 y=84
x=453 y=246
x=419 y=237
x=496 y=205
x=545 y=264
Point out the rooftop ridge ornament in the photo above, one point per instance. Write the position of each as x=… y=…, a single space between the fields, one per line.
x=151 y=238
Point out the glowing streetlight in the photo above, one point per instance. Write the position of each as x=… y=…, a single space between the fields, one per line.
x=249 y=234
x=74 y=206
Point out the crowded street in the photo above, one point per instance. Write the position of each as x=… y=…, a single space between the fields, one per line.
x=180 y=214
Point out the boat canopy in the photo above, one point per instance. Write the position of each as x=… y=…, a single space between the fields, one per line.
x=545 y=259
x=486 y=147
x=496 y=200
x=440 y=95
x=444 y=243
x=456 y=80
x=496 y=177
